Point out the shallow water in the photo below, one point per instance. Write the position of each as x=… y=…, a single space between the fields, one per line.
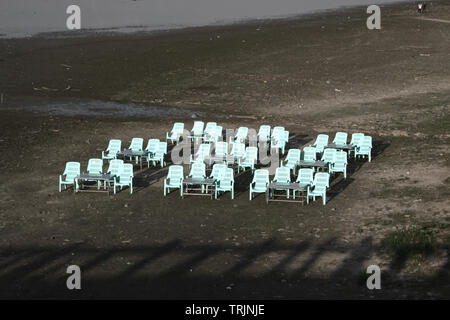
x=105 y=109
x=20 y=18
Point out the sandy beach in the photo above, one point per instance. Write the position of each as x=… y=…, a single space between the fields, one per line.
x=65 y=96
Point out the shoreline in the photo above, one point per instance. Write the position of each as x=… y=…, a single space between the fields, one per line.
x=154 y=30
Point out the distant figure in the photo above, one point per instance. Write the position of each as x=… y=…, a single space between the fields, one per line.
x=421 y=6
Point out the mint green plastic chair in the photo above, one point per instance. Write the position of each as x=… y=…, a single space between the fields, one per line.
x=197 y=130
x=260 y=182
x=202 y=153
x=340 y=139
x=150 y=150
x=210 y=126
x=176 y=133
x=114 y=147
x=237 y=151
x=292 y=160
x=213 y=135
x=225 y=182
x=249 y=160
x=319 y=187
x=114 y=169
x=159 y=154
x=321 y=142
x=309 y=154
x=305 y=178
x=95 y=167
x=283 y=176
x=174 y=179
x=216 y=171
x=340 y=163
x=71 y=171
x=364 y=148
x=124 y=178
x=241 y=135
x=198 y=172
x=329 y=156
x=136 y=145
x=356 y=138
x=264 y=134
x=220 y=151
x=279 y=139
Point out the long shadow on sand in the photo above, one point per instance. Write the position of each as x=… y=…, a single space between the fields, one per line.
x=179 y=270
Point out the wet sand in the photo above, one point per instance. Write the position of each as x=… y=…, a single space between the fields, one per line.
x=319 y=74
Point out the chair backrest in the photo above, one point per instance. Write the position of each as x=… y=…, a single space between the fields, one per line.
x=217 y=169
x=210 y=126
x=282 y=175
x=264 y=133
x=242 y=133
x=203 y=151
x=309 y=154
x=72 y=170
x=221 y=149
x=321 y=141
x=126 y=174
x=367 y=141
x=198 y=170
x=114 y=146
x=293 y=156
x=365 y=145
x=356 y=138
x=305 y=176
x=321 y=180
x=251 y=154
x=162 y=148
x=277 y=130
x=175 y=172
x=137 y=144
x=178 y=128
x=340 y=138
x=340 y=157
x=238 y=150
x=152 y=145
x=218 y=131
x=115 y=167
x=95 y=166
x=197 y=129
x=329 y=155
x=226 y=175
x=261 y=178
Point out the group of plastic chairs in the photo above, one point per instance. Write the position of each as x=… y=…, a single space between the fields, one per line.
x=219 y=155
x=316 y=183
x=121 y=173
x=275 y=139
x=221 y=174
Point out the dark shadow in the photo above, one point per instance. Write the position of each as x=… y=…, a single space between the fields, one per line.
x=178 y=270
